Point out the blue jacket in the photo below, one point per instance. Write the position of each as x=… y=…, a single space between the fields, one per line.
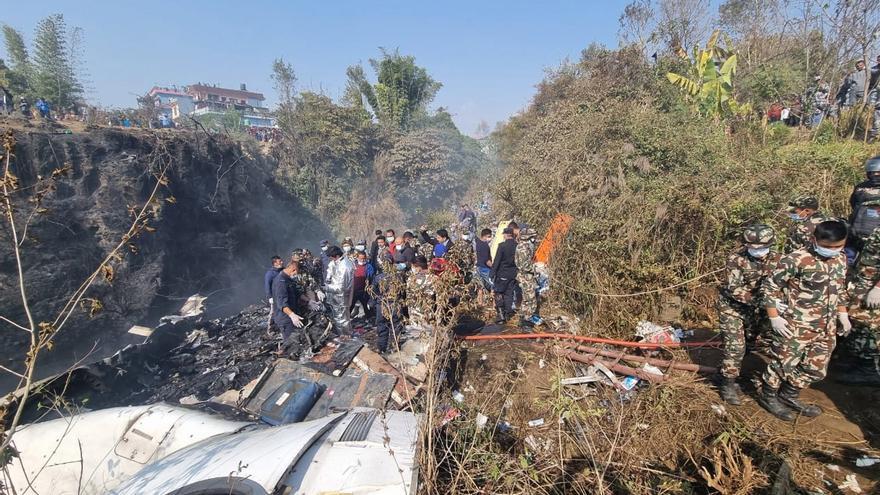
x=267 y=280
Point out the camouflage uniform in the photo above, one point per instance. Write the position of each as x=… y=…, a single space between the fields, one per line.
x=862 y=342
x=462 y=254
x=801 y=233
x=741 y=314
x=420 y=296
x=527 y=276
x=806 y=290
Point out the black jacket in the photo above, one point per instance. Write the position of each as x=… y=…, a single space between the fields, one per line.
x=504 y=264
x=407 y=255
x=284 y=294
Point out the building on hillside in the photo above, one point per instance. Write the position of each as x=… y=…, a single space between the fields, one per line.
x=212 y=101
x=169 y=99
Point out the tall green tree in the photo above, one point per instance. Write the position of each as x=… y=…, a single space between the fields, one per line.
x=402 y=89
x=54 y=76
x=19 y=70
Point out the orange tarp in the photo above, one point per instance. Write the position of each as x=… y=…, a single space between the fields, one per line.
x=557 y=231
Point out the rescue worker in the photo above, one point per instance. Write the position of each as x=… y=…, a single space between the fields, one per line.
x=527 y=278
x=865 y=220
x=348 y=249
x=804 y=212
x=402 y=255
x=286 y=298
x=860 y=366
x=484 y=258
x=362 y=278
x=420 y=293
x=806 y=301
x=271 y=273
x=325 y=260
x=338 y=287
x=388 y=294
x=503 y=274
x=741 y=314
x=463 y=255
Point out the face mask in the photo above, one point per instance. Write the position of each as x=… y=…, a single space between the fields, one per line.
x=346 y=249
x=400 y=266
x=323 y=248
x=795 y=217
x=362 y=262
x=360 y=247
x=759 y=252
x=826 y=252
x=466 y=237
x=399 y=247
x=389 y=239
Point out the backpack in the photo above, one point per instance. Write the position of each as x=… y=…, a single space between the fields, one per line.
x=865 y=221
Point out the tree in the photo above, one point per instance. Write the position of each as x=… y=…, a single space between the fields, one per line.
x=636 y=24
x=20 y=70
x=54 y=76
x=683 y=23
x=284 y=78
x=402 y=90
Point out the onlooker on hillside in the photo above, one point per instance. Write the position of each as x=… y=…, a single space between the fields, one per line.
x=852 y=91
x=7 y=106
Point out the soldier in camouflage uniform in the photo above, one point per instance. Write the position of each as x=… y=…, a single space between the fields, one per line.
x=420 y=293
x=806 y=301
x=527 y=278
x=463 y=255
x=305 y=282
x=861 y=345
x=804 y=211
x=741 y=314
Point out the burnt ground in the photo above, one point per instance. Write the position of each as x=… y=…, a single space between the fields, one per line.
x=196 y=360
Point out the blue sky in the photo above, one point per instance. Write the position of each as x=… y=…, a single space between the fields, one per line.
x=488 y=55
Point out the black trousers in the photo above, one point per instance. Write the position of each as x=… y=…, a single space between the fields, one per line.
x=505 y=294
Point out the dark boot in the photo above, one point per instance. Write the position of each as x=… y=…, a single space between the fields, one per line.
x=788 y=395
x=769 y=401
x=730 y=391
x=500 y=319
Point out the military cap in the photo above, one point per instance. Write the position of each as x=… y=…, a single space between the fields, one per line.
x=527 y=233
x=759 y=235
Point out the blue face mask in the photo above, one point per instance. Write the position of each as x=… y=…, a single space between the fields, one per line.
x=759 y=252
x=826 y=252
x=795 y=217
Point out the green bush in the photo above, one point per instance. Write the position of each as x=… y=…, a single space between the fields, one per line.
x=659 y=196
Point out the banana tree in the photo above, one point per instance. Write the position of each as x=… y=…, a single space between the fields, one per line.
x=709 y=79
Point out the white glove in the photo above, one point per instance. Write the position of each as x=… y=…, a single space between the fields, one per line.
x=320 y=295
x=296 y=319
x=271 y=302
x=780 y=326
x=873 y=299
x=315 y=305
x=845 y=325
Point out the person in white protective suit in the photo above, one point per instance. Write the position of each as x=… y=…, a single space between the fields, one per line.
x=338 y=289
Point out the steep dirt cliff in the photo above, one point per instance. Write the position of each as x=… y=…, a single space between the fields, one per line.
x=218 y=220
